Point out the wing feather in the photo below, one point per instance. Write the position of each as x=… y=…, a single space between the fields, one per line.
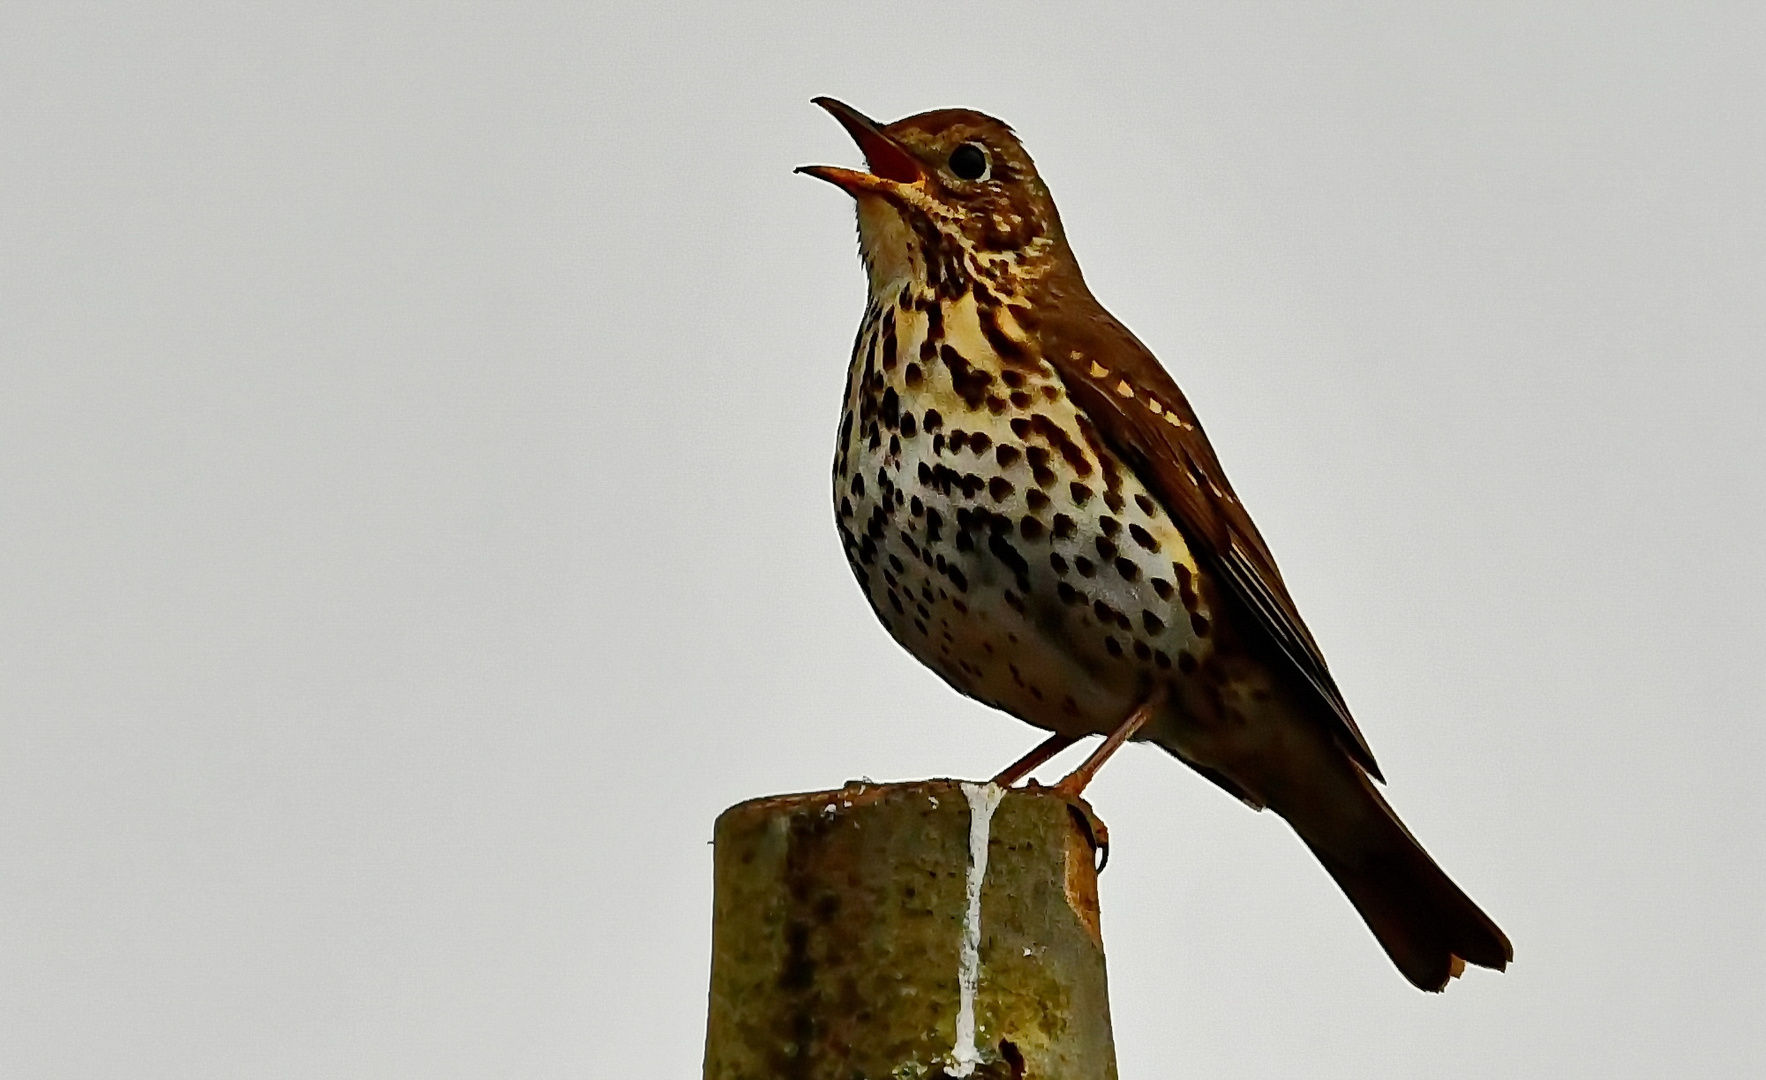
x=1117 y=381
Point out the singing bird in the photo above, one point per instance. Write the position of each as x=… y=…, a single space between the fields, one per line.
x=1034 y=512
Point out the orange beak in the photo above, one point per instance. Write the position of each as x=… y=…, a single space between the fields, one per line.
x=890 y=162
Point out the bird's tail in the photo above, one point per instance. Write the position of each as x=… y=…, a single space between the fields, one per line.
x=1429 y=928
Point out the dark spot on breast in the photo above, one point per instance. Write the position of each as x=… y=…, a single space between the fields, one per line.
x=1081 y=493
x=1056 y=436
x=889 y=341
x=1014 y=601
x=1186 y=663
x=914 y=376
x=1111 y=645
x=925 y=475
x=858 y=485
x=1013 y=379
x=933 y=421
x=1163 y=588
x=1004 y=551
x=1009 y=351
x=1000 y=488
x=968 y=381
x=1021 y=427
x=1185 y=589
x=1106 y=549
x=1109 y=524
x=1064 y=526
x=1128 y=570
x=1020 y=400
x=958 y=439
x=938 y=444
x=1006 y=454
x=934 y=526
x=957 y=577
x=1085 y=566
x=1036 y=500
x=1153 y=623
x=1141 y=651
x=1199 y=623
x=1056 y=561
x=980 y=441
x=1067 y=593
x=909 y=426
x=916 y=507
x=1144 y=538
x=1161 y=659
x=1148 y=507
x=1030 y=528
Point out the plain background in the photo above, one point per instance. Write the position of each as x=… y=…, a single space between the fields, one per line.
x=414 y=432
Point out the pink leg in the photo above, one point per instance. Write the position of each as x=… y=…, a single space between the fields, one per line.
x=1076 y=781
x=1021 y=768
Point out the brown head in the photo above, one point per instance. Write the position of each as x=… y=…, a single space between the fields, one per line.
x=951 y=197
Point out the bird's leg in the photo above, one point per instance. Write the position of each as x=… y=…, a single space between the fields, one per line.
x=1046 y=749
x=1076 y=781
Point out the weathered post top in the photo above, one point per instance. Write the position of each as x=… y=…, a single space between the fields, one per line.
x=903 y=931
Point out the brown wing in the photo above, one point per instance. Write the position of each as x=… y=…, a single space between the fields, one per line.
x=1118 y=382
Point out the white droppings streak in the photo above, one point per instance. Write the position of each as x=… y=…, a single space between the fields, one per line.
x=984 y=799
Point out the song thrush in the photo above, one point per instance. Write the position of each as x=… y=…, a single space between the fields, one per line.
x=1034 y=513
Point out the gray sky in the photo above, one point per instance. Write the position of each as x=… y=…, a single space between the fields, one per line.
x=414 y=433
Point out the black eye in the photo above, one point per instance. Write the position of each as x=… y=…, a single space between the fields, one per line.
x=969 y=161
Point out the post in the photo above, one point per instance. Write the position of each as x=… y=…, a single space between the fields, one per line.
x=907 y=931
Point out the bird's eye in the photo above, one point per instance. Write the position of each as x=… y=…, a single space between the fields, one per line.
x=969 y=162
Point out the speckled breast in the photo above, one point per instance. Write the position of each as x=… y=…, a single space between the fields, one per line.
x=996 y=537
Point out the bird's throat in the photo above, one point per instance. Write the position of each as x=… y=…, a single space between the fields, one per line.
x=891 y=251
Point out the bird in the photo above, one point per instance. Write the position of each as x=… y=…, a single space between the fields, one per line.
x=1033 y=511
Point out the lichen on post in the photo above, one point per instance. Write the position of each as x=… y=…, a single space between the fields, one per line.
x=839 y=926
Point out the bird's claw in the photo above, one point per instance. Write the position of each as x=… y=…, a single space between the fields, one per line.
x=1097 y=835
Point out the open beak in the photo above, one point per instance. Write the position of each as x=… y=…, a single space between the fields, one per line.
x=890 y=162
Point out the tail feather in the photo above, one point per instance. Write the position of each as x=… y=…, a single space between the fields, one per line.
x=1429 y=928
x=1426 y=924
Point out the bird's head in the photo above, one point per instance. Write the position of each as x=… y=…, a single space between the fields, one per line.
x=951 y=198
